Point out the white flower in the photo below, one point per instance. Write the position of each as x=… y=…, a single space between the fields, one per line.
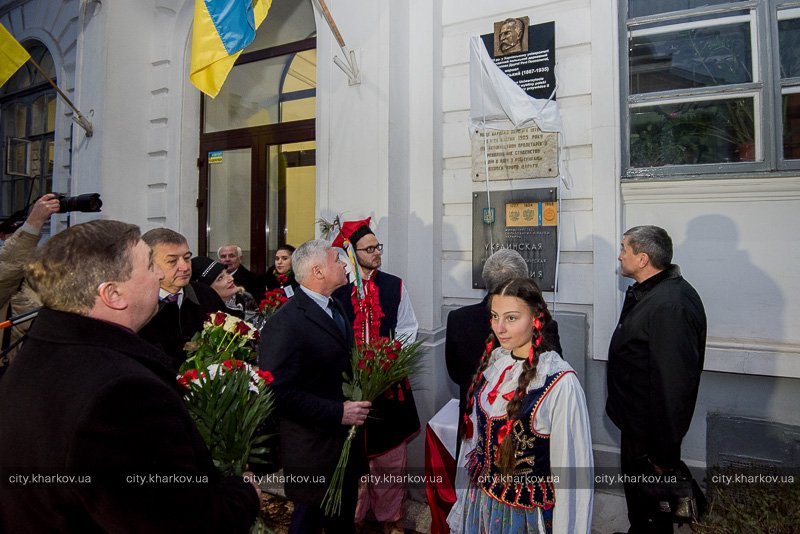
x=230 y=323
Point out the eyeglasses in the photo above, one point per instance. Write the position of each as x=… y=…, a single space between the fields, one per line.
x=372 y=249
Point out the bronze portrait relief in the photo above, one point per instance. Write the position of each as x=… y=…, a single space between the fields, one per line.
x=511 y=36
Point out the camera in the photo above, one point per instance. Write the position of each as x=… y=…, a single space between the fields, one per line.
x=88 y=202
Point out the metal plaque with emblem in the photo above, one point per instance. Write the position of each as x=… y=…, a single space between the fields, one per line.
x=524 y=220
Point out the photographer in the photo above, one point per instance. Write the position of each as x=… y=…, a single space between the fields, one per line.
x=16 y=252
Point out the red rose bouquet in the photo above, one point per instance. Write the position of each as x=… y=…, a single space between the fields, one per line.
x=271 y=302
x=227 y=397
x=376 y=365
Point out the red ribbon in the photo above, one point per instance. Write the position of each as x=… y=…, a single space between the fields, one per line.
x=537 y=324
x=467 y=427
x=492 y=396
x=504 y=430
x=368 y=313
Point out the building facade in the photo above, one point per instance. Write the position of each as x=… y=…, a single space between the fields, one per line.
x=649 y=137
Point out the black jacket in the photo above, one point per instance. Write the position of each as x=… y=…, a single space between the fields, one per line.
x=91 y=400
x=303 y=348
x=272 y=280
x=251 y=282
x=172 y=326
x=654 y=364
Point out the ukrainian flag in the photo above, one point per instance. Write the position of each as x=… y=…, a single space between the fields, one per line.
x=222 y=29
x=12 y=55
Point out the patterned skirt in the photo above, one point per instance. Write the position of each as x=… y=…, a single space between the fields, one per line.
x=486 y=515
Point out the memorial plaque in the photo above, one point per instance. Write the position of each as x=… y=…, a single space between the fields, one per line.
x=525 y=220
x=526 y=54
x=514 y=154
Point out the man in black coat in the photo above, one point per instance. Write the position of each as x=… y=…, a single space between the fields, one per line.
x=468 y=327
x=654 y=365
x=306 y=345
x=231 y=257
x=182 y=305
x=95 y=436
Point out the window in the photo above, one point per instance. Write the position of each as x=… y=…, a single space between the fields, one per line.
x=28 y=113
x=712 y=87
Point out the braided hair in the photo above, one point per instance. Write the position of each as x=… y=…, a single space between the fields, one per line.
x=490 y=343
x=526 y=290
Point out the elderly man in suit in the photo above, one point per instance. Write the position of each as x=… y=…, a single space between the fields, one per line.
x=231 y=256
x=306 y=346
x=468 y=327
x=95 y=436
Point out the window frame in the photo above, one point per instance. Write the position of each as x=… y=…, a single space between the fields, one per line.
x=766 y=86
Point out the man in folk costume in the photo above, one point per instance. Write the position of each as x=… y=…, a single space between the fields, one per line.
x=381 y=308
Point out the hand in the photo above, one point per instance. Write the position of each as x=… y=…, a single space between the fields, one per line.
x=42 y=210
x=355 y=413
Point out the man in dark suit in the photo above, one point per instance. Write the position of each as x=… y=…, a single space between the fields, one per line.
x=95 y=436
x=306 y=345
x=468 y=327
x=231 y=257
x=183 y=305
x=654 y=364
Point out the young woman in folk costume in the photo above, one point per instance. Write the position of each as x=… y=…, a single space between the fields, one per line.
x=526 y=455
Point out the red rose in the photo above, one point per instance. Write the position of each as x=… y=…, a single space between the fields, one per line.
x=241 y=328
x=266 y=376
x=362 y=364
x=219 y=319
x=391 y=355
x=187 y=376
x=369 y=354
x=397 y=346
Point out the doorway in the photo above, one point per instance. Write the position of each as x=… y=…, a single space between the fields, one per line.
x=258 y=155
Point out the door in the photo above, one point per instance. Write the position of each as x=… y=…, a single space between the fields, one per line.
x=257 y=190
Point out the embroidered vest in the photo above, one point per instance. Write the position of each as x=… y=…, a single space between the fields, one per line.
x=529 y=485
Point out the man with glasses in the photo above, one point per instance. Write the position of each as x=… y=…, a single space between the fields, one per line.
x=384 y=311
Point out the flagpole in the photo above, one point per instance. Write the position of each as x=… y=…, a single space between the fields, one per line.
x=80 y=118
x=351 y=68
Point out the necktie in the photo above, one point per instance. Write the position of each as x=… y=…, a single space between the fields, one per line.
x=172 y=297
x=337 y=317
